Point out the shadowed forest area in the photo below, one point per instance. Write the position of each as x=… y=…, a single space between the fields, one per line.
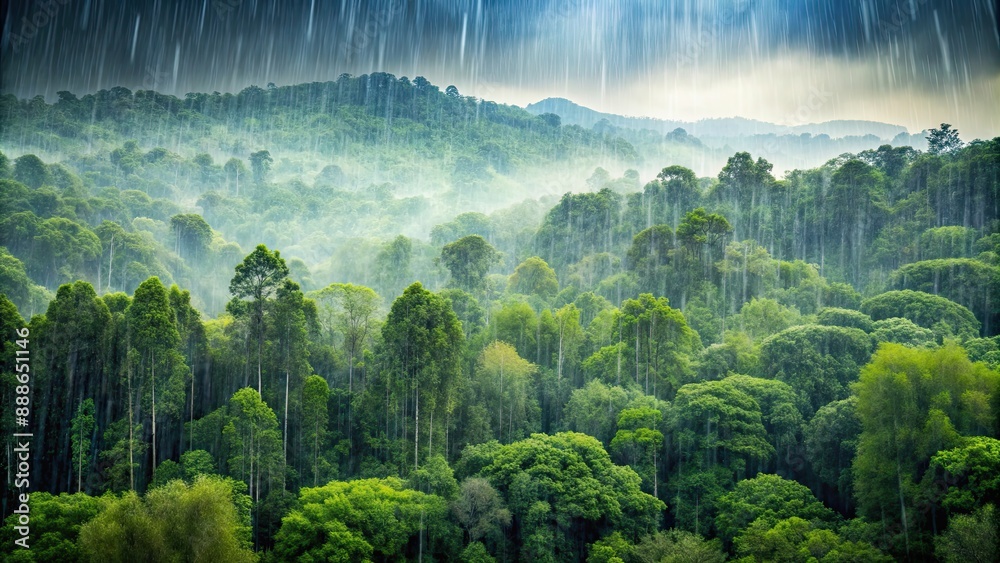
x=368 y=319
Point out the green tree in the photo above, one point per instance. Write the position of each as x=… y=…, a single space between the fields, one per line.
x=503 y=383
x=678 y=546
x=153 y=336
x=769 y=498
x=973 y=470
x=943 y=141
x=534 y=277
x=31 y=171
x=796 y=539
x=480 y=511
x=192 y=236
x=55 y=526
x=944 y=317
x=364 y=519
x=254 y=441
x=315 y=396
x=593 y=410
x=637 y=443
x=234 y=170
x=970 y=538
x=257 y=278
x=819 y=362
x=562 y=487
x=82 y=429
x=393 y=266
x=421 y=350
x=176 y=522
x=833 y=316
x=913 y=403
x=260 y=165
x=469 y=259
x=831 y=440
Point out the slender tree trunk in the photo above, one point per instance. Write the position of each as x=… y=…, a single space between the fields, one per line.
x=284 y=439
x=131 y=460
x=416 y=425
x=500 y=418
x=153 y=379
x=79 y=470
x=191 y=429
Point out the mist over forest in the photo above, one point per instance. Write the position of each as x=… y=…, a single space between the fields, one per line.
x=387 y=318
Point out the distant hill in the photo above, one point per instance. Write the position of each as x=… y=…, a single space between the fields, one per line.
x=575 y=114
x=709 y=142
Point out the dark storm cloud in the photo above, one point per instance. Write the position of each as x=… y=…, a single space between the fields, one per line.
x=882 y=49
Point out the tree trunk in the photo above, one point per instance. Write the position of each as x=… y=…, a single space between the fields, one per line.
x=416 y=425
x=131 y=439
x=284 y=439
x=153 y=379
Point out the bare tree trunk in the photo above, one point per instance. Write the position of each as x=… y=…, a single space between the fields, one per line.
x=153 y=379
x=131 y=439
x=284 y=439
x=416 y=425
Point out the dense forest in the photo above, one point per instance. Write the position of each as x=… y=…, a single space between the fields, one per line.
x=371 y=320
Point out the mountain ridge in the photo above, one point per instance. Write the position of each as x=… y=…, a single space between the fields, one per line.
x=576 y=114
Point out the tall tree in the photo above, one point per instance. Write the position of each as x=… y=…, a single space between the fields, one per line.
x=260 y=164
x=421 y=350
x=152 y=333
x=258 y=278
x=943 y=140
x=469 y=259
x=82 y=429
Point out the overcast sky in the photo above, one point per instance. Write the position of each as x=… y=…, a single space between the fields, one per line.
x=915 y=63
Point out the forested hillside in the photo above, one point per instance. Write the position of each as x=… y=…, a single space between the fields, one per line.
x=370 y=320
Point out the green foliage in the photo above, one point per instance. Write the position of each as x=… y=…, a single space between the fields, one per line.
x=469 y=259
x=944 y=317
x=364 y=519
x=972 y=537
x=419 y=361
x=819 y=362
x=82 y=429
x=767 y=499
x=480 y=511
x=913 y=403
x=196 y=522
x=971 y=283
x=972 y=469
x=677 y=546
x=795 y=539
x=251 y=433
x=760 y=318
x=832 y=316
x=902 y=331
x=567 y=481
x=502 y=383
x=831 y=439
x=943 y=141
x=55 y=526
x=534 y=277
x=594 y=409
x=31 y=171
